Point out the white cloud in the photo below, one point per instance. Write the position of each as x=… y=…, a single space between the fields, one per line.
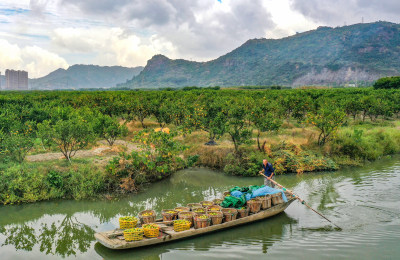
x=37 y=61
x=111 y=46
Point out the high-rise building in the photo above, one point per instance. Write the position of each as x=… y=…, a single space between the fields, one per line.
x=16 y=80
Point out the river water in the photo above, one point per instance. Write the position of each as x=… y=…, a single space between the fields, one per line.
x=363 y=201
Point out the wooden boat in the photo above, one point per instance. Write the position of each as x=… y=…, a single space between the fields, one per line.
x=115 y=240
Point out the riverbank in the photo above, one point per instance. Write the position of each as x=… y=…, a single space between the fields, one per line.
x=293 y=149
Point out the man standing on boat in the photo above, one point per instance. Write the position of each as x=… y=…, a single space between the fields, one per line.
x=268 y=171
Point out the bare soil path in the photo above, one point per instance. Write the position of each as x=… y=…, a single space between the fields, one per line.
x=101 y=149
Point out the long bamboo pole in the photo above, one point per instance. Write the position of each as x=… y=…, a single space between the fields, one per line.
x=301 y=200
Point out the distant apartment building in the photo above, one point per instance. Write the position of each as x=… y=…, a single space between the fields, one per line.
x=16 y=80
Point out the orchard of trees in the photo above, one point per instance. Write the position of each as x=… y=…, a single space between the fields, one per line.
x=70 y=121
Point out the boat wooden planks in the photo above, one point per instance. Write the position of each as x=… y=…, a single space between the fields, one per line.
x=114 y=239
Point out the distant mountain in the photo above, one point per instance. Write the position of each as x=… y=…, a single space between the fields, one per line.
x=358 y=53
x=85 y=76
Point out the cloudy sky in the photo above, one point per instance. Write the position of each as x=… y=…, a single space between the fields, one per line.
x=43 y=35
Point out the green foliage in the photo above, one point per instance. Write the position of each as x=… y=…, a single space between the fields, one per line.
x=55 y=179
x=248 y=163
x=70 y=135
x=236 y=125
x=366 y=145
x=17 y=142
x=327 y=119
x=291 y=158
x=139 y=109
x=157 y=160
x=161 y=109
x=266 y=118
x=387 y=83
x=208 y=115
x=109 y=128
x=23 y=183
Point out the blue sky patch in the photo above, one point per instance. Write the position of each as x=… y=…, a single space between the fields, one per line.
x=13 y=11
x=37 y=36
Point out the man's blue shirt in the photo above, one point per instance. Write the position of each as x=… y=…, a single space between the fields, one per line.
x=268 y=169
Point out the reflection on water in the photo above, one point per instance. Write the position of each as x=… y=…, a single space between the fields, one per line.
x=361 y=200
x=65 y=237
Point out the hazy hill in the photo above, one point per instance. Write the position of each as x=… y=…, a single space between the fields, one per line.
x=328 y=56
x=85 y=76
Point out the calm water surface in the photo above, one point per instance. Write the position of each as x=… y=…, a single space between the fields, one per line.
x=364 y=201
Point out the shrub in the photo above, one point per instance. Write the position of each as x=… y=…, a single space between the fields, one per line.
x=16 y=144
x=366 y=145
x=244 y=163
x=28 y=183
x=387 y=82
x=292 y=158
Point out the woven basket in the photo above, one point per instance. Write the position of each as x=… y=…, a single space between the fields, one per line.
x=147 y=219
x=254 y=205
x=151 y=232
x=188 y=215
x=265 y=201
x=214 y=208
x=217 y=201
x=193 y=206
x=243 y=212
x=206 y=203
x=216 y=217
x=123 y=224
x=227 y=193
x=276 y=198
x=168 y=215
x=201 y=223
x=179 y=226
x=180 y=209
x=229 y=214
x=133 y=234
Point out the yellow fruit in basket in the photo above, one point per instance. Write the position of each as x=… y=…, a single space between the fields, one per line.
x=151 y=226
x=128 y=218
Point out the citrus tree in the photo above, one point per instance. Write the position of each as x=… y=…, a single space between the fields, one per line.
x=236 y=124
x=265 y=118
x=69 y=135
x=108 y=128
x=208 y=116
x=327 y=119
